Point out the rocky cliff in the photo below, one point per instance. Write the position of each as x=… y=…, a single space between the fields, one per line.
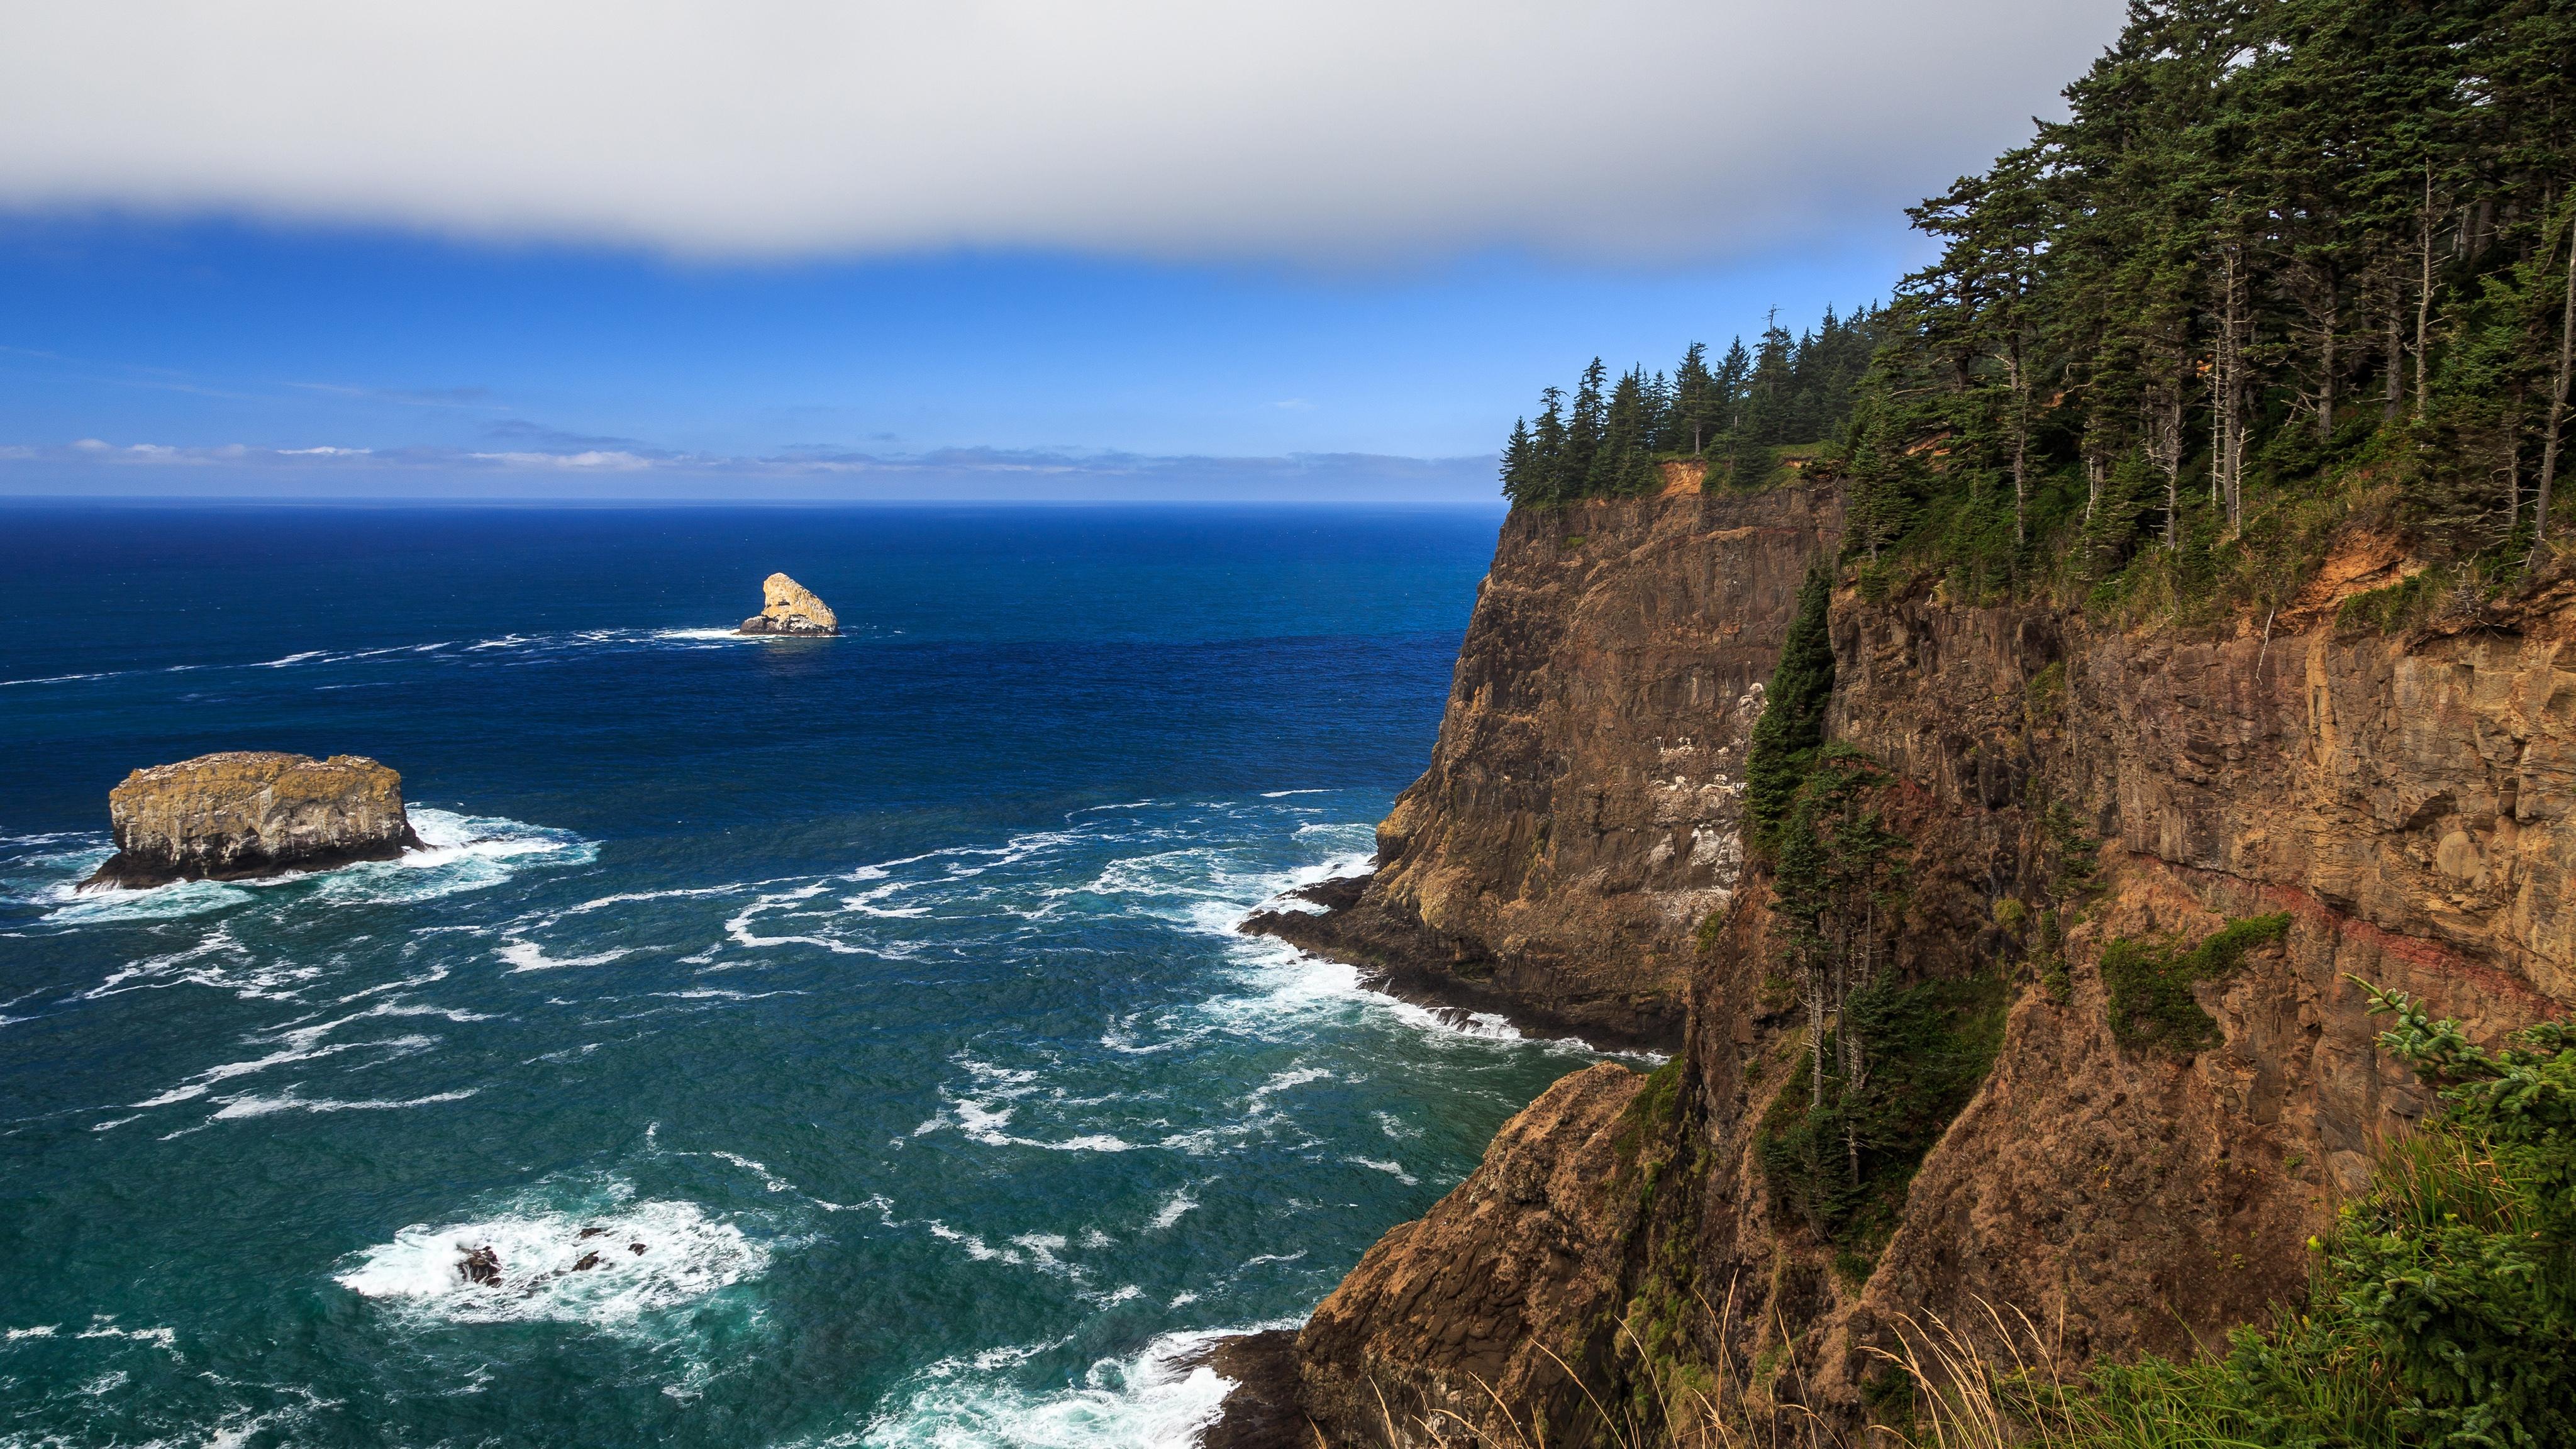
x=1580 y=814
x=2399 y=802
x=245 y=813
x=788 y=607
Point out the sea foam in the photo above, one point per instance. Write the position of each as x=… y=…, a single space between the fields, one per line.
x=687 y=1256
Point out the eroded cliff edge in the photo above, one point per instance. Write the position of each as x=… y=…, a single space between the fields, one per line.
x=2402 y=799
x=1580 y=815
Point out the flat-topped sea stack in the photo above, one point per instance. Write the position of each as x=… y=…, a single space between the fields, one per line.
x=246 y=813
x=789 y=607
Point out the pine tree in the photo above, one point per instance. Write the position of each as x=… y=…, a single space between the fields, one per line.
x=1792 y=726
x=1694 y=399
x=1519 y=481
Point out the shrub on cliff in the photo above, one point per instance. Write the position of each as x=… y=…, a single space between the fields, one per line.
x=2444 y=1309
x=2151 y=1004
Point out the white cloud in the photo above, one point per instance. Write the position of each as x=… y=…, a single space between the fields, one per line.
x=233 y=470
x=1323 y=130
x=593 y=458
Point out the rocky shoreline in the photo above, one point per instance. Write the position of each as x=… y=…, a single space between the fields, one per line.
x=1405 y=959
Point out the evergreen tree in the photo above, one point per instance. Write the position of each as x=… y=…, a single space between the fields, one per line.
x=1695 y=400
x=1792 y=726
x=1519 y=481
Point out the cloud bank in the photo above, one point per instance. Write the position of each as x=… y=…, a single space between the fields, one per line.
x=1325 y=130
x=94 y=468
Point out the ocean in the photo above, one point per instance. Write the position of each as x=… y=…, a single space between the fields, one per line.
x=869 y=1007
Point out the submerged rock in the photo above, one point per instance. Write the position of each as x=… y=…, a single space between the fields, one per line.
x=789 y=607
x=482 y=1267
x=245 y=813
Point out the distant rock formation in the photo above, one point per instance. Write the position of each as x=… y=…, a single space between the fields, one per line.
x=789 y=607
x=244 y=813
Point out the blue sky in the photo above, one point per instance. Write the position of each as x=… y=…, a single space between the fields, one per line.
x=332 y=294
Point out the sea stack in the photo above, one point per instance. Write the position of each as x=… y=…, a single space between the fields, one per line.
x=789 y=607
x=245 y=813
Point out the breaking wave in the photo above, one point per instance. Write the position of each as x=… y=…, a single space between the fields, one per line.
x=607 y=1262
x=1159 y=1398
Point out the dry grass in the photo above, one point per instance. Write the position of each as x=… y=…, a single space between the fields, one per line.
x=2005 y=1386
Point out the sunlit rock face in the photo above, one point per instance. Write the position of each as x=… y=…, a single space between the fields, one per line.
x=789 y=607
x=245 y=813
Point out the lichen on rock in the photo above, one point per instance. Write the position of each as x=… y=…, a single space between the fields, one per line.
x=789 y=607
x=244 y=813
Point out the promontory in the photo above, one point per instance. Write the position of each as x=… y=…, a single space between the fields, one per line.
x=244 y=813
x=789 y=607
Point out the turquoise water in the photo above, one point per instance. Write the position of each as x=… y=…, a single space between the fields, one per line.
x=883 y=989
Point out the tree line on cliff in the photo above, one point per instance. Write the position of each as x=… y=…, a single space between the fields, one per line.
x=1611 y=439
x=2277 y=249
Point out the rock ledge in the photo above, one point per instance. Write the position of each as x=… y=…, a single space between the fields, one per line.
x=245 y=813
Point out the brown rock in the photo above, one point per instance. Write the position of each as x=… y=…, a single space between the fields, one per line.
x=1261 y=1409
x=1457 y=1314
x=2404 y=799
x=244 y=813
x=1582 y=810
x=788 y=607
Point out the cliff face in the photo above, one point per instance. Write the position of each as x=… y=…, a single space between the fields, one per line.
x=2403 y=800
x=1580 y=813
x=245 y=813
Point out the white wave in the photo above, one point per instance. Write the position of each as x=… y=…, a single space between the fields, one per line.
x=529 y=956
x=254 y=1105
x=305 y=1042
x=175 y=901
x=1179 y=1203
x=216 y=961
x=1391 y=1169
x=301 y=1051
x=1280 y=1082
x=458 y=853
x=687 y=1256
x=1160 y=1398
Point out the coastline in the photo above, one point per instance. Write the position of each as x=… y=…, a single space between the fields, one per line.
x=1398 y=956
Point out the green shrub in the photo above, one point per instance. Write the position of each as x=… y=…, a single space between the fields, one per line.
x=2396 y=607
x=1930 y=1046
x=2444 y=1309
x=2150 y=988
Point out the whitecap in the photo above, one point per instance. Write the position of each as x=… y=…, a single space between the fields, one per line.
x=457 y=853
x=1161 y=1398
x=529 y=956
x=1179 y=1203
x=253 y=1105
x=1391 y=1169
x=539 y=1244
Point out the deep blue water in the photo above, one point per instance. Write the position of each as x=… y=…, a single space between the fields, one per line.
x=882 y=988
